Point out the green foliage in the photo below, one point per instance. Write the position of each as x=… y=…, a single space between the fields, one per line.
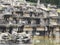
x=32 y=0
x=56 y=2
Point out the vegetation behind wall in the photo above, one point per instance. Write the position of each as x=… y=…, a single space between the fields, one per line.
x=55 y=2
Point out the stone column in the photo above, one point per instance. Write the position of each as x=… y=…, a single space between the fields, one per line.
x=38 y=3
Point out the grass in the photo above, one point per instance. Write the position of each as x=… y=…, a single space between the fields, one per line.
x=58 y=10
x=40 y=40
